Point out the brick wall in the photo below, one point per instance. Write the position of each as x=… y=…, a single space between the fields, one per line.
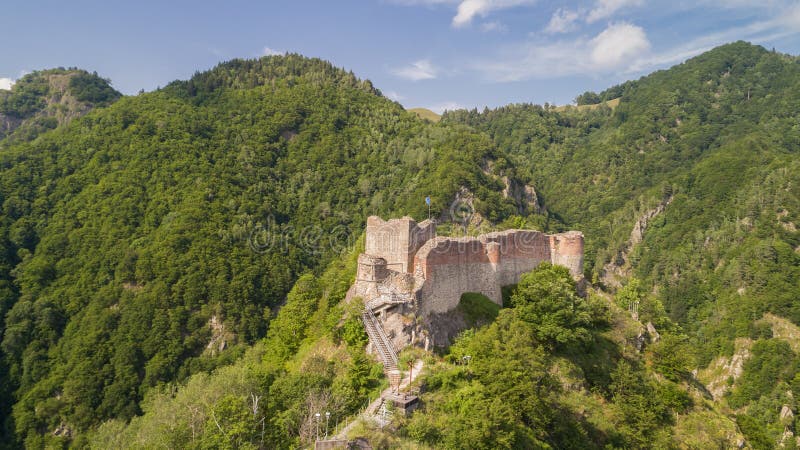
x=448 y=267
x=445 y=268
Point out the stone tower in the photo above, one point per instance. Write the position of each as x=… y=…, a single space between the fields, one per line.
x=397 y=240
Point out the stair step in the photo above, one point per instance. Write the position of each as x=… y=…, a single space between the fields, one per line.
x=379 y=340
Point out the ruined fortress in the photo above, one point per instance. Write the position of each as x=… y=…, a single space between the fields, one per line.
x=407 y=274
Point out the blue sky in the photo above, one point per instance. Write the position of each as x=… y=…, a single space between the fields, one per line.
x=431 y=53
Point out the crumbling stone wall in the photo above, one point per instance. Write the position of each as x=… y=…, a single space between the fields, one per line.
x=567 y=251
x=428 y=274
x=397 y=240
x=445 y=268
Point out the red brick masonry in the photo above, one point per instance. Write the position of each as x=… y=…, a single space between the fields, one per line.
x=444 y=268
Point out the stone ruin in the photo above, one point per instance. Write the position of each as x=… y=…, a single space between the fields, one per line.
x=408 y=275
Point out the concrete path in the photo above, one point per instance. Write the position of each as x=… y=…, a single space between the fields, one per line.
x=415 y=371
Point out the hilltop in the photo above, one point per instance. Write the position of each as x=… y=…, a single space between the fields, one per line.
x=424 y=113
x=613 y=103
x=44 y=100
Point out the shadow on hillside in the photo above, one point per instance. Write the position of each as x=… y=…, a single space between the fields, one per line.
x=597 y=361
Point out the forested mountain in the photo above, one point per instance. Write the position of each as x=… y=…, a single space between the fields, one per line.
x=126 y=231
x=691 y=185
x=173 y=264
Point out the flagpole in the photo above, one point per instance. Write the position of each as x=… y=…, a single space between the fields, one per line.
x=428 y=202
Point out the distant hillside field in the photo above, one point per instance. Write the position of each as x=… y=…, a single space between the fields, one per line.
x=427 y=114
x=610 y=103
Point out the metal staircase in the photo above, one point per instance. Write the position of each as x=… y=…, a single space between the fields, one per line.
x=388 y=299
x=379 y=340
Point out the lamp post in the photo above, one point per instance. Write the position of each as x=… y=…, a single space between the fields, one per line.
x=327 y=418
x=317 y=416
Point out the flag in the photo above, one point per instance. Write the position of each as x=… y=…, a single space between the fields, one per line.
x=428 y=200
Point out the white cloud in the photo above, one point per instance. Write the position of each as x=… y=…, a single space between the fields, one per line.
x=617 y=44
x=488 y=27
x=6 y=83
x=745 y=4
x=606 y=8
x=424 y=2
x=785 y=23
x=416 y=71
x=270 y=52
x=392 y=95
x=469 y=9
x=441 y=107
x=535 y=60
x=620 y=48
x=613 y=50
x=563 y=21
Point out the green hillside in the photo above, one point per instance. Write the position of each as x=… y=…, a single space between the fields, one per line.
x=173 y=265
x=125 y=232
x=706 y=152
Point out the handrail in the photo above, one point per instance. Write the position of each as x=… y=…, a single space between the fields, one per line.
x=382 y=300
x=384 y=342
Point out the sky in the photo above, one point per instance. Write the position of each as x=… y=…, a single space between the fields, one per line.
x=437 y=54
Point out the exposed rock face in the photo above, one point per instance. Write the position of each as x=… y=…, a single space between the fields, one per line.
x=654 y=335
x=8 y=124
x=63 y=430
x=641 y=225
x=523 y=194
x=717 y=376
x=786 y=416
x=59 y=104
x=409 y=277
x=619 y=268
x=784 y=329
x=639 y=341
x=219 y=336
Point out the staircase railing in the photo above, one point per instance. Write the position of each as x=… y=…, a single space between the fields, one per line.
x=392 y=299
x=379 y=339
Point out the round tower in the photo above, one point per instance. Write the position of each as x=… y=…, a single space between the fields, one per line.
x=371 y=268
x=567 y=251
